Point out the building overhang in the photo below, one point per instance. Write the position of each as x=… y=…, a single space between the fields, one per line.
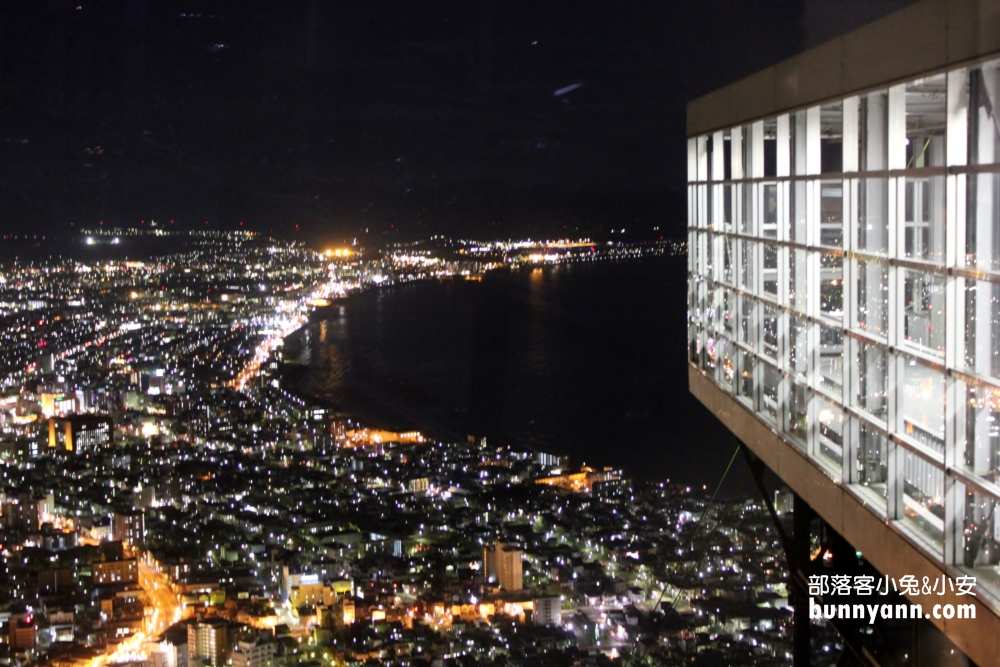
x=926 y=37
x=880 y=542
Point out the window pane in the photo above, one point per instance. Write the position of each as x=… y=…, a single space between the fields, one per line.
x=734 y=153
x=745 y=386
x=871 y=460
x=798 y=282
x=798 y=412
x=694 y=344
x=726 y=319
x=694 y=303
x=831 y=432
x=798 y=346
x=831 y=123
x=747 y=332
x=770 y=380
x=770 y=147
x=704 y=207
x=873 y=297
x=982 y=226
x=692 y=251
x=797 y=211
x=769 y=332
x=770 y=272
x=925 y=122
x=831 y=360
x=727 y=208
x=727 y=363
x=709 y=256
x=712 y=154
x=873 y=215
x=984 y=135
x=797 y=142
x=709 y=310
x=921 y=405
x=923 y=497
x=728 y=260
x=747 y=151
x=747 y=275
x=831 y=287
x=873 y=378
x=769 y=214
x=924 y=216
x=831 y=217
x=979 y=537
x=979 y=431
x=982 y=326
x=923 y=310
x=873 y=131
x=747 y=203
x=708 y=354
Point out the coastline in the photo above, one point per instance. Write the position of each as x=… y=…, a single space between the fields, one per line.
x=388 y=401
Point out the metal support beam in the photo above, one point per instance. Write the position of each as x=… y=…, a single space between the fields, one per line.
x=798 y=561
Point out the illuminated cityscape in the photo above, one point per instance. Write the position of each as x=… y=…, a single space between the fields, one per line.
x=342 y=334
x=166 y=501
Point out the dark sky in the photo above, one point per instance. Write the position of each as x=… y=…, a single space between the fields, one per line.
x=404 y=118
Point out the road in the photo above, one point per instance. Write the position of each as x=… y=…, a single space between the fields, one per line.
x=166 y=605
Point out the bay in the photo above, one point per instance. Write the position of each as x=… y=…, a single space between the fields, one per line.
x=586 y=360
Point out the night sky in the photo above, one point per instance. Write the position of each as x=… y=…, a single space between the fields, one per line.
x=403 y=118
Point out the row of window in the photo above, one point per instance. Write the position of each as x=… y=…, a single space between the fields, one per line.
x=903 y=217
x=862 y=439
x=844 y=286
x=901 y=127
x=918 y=300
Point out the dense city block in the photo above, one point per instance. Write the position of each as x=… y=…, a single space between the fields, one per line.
x=167 y=501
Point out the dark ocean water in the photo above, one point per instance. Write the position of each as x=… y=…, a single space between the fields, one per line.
x=581 y=359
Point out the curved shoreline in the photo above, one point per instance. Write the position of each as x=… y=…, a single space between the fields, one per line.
x=385 y=410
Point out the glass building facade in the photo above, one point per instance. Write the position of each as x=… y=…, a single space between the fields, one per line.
x=844 y=286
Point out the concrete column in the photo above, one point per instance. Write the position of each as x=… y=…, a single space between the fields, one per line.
x=850 y=141
x=736 y=148
x=958 y=111
x=718 y=157
x=986 y=238
x=692 y=160
x=757 y=150
x=702 y=157
x=874 y=227
x=784 y=152
x=813 y=142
